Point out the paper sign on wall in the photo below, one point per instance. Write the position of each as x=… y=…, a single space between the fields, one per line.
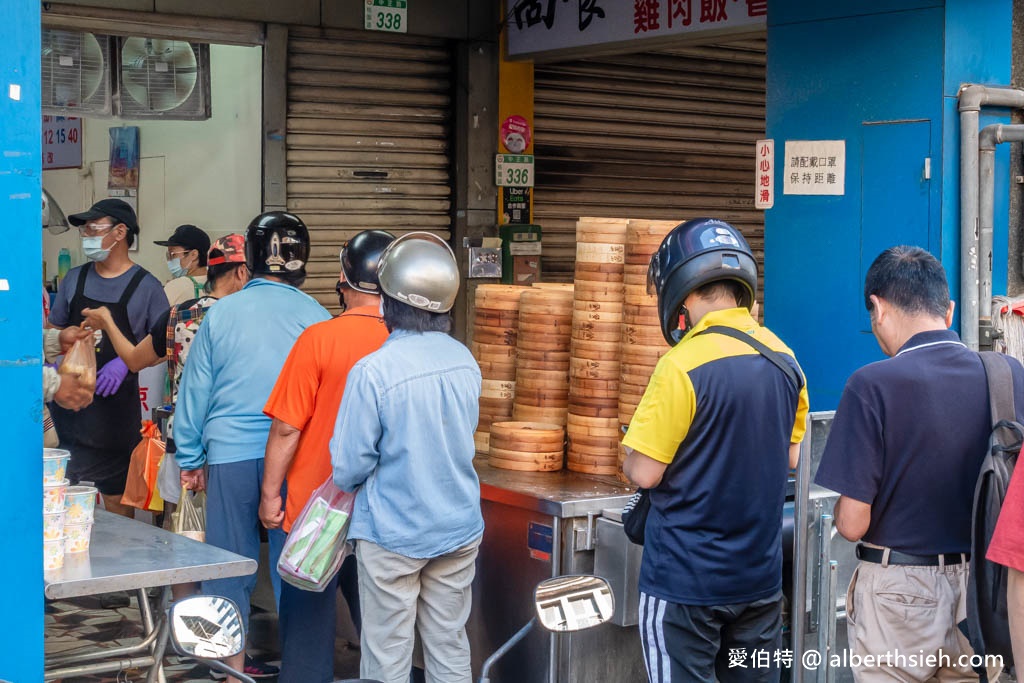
x=386 y=15
x=764 y=174
x=62 y=142
x=814 y=167
x=513 y=170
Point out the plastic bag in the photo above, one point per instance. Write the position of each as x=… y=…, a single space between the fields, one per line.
x=190 y=518
x=316 y=545
x=81 y=360
x=140 y=489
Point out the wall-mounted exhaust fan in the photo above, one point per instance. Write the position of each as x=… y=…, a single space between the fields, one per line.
x=164 y=78
x=75 y=73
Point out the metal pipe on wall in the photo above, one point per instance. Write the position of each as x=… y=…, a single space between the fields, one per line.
x=988 y=139
x=972 y=99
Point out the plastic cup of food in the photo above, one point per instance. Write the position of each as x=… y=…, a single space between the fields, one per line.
x=55 y=465
x=53 y=526
x=76 y=537
x=54 y=496
x=81 y=504
x=53 y=554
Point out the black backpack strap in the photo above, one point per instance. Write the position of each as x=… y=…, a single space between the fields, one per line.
x=1000 y=391
x=772 y=355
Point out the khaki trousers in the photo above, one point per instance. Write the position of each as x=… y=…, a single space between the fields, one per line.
x=905 y=618
x=401 y=597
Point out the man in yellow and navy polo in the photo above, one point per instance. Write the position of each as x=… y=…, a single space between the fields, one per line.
x=713 y=440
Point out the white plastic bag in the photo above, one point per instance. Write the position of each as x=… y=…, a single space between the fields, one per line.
x=316 y=545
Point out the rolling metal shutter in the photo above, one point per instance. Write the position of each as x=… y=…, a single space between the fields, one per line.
x=664 y=135
x=367 y=140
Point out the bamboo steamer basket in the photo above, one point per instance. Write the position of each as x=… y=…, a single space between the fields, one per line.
x=610 y=230
x=526 y=446
x=481 y=440
x=551 y=415
x=544 y=345
x=495 y=338
x=499 y=296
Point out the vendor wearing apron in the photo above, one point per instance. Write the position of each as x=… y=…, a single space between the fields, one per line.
x=102 y=436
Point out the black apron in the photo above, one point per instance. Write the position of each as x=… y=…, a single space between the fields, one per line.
x=102 y=436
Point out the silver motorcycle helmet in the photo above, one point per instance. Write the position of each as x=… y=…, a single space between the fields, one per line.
x=419 y=269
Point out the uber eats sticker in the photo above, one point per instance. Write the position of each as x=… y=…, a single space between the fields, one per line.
x=386 y=15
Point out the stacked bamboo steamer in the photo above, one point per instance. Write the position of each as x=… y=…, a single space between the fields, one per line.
x=526 y=446
x=542 y=354
x=592 y=425
x=642 y=341
x=495 y=332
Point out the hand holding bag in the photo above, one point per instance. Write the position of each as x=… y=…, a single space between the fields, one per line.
x=190 y=517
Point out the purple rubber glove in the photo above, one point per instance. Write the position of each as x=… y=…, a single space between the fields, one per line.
x=110 y=376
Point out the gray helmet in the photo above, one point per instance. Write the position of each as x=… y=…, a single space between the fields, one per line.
x=419 y=269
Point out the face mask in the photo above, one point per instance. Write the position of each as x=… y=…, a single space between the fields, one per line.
x=93 y=249
x=174 y=265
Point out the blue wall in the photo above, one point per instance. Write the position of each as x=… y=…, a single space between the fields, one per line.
x=21 y=575
x=885 y=81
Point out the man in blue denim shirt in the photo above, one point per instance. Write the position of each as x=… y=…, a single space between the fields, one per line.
x=404 y=437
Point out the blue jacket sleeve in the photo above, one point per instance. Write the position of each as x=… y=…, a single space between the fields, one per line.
x=193 y=405
x=357 y=431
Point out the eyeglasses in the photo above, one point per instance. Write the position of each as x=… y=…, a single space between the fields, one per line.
x=175 y=254
x=95 y=229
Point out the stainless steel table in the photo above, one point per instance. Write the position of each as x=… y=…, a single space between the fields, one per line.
x=128 y=555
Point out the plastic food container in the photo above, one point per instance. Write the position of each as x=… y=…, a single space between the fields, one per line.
x=55 y=465
x=81 y=504
x=53 y=526
x=53 y=554
x=76 y=537
x=54 y=496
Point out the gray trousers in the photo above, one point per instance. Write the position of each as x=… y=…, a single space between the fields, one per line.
x=401 y=597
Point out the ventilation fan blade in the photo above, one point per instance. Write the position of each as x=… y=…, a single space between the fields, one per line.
x=158 y=74
x=72 y=65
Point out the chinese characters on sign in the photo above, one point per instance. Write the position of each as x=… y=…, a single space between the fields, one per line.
x=544 y=25
x=513 y=170
x=814 y=167
x=62 y=142
x=386 y=15
x=515 y=205
x=764 y=172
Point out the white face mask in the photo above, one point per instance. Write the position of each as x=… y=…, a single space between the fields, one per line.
x=93 y=249
x=174 y=265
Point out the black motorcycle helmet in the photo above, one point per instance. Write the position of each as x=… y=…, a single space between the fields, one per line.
x=277 y=243
x=693 y=254
x=360 y=257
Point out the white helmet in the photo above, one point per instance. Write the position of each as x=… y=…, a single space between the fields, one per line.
x=419 y=269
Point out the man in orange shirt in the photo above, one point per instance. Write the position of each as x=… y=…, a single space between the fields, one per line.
x=304 y=407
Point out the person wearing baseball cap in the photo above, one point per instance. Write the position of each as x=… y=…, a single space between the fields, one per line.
x=186 y=256
x=101 y=436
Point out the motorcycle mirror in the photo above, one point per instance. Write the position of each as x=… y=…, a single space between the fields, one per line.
x=573 y=603
x=206 y=626
x=54 y=219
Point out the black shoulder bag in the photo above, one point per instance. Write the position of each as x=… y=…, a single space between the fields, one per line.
x=634 y=513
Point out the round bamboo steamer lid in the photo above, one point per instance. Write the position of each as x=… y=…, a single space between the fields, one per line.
x=497 y=293
x=611 y=411
x=554 y=368
x=514 y=456
x=615 y=307
x=592 y=470
x=530 y=431
x=481 y=351
x=592 y=423
x=525 y=412
x=586 y=441
x=599 y=457
x=593 y=432
x=506 y=338
x=539 y=378
x=645 y=229
x=513 y=451
x=548 y=355
x=599 y=291
x=600 y=254
x=592 y=229
x=501 y=464
x=552 y=287
x=553 y=328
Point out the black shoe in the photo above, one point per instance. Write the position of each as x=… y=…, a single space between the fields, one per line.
x=253 y=669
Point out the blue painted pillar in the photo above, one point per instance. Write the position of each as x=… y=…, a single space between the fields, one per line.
x=21 y=557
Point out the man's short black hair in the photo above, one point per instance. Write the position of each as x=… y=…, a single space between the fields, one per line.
x=402 y=316
x=219 y=270
x=909 y=278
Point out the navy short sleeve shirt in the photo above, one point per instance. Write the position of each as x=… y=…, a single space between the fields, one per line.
x=909 y=437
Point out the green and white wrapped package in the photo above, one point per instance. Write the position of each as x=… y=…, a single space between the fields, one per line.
x=316 y=545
